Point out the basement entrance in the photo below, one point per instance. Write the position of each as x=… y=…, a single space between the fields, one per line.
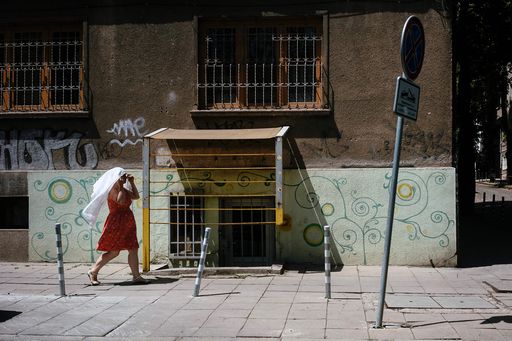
x=229 y=180
x=248 y=236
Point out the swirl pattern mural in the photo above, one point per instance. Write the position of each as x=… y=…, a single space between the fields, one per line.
x=60 y=200
x=352 y=201
x=357 y=212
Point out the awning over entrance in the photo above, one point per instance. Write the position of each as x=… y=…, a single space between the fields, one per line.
x=217 y=134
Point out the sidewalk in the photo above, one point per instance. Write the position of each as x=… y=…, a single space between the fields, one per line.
x=422 y=303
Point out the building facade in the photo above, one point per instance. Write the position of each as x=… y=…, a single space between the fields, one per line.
x=84 y=83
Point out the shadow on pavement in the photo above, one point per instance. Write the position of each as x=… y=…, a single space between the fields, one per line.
x=485 y=235
x=312 y=268
x=498 y=319
x=220 y=294
x=8 y=314
x=157 y=280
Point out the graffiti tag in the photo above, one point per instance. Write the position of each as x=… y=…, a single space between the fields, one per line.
x=130 y=131
x=33 y=149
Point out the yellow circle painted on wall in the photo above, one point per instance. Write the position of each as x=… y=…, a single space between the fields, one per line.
x=405 y=191
x=60 y=191
x=313 y=235
x=327 y=209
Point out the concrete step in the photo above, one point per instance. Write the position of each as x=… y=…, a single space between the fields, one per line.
x=274 y=269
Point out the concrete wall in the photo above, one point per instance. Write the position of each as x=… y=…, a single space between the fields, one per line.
x=14 y=245
x=141 y=66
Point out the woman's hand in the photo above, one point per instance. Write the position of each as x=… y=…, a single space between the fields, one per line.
x=134 y=191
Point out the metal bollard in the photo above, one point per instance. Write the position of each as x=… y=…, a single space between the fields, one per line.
x=327 y=255
x=200 y=268
x=60 y=261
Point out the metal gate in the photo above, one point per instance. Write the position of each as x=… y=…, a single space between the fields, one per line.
x=248 y=237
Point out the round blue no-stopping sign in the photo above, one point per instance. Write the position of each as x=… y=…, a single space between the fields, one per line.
x=412 y=47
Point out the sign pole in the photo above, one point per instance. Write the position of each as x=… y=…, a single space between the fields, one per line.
x=389 y=225
x=412 y=49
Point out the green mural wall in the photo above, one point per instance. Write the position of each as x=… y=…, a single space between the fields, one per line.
x=352 y=201
x=59 y=197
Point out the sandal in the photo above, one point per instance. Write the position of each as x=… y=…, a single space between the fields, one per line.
x=140 y=280
x=93 y=277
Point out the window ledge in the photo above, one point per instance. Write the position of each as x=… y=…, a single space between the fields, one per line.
x=261 y=112
x=44 y=114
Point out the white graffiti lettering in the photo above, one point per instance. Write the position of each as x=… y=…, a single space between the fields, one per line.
x=32 y=149
x=131 y=131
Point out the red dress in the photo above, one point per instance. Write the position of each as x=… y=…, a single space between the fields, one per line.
x=119 y=231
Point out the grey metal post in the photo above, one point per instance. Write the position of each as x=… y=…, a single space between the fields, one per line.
x=279 y=174
x=60 y=262
x=200 y=268
x=327 y=255
x=389 y=225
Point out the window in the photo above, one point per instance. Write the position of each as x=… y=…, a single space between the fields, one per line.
x=41 y=69
x=186 y=226
x=14 y=213
x=260 y=65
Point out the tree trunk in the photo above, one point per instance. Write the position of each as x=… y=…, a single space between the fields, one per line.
x=506 y=123
x=464 y=122
x=491 y=132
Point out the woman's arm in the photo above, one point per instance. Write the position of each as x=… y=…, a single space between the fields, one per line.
x=134 y=193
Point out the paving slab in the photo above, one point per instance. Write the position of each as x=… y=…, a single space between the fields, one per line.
x=481 y=334
x=140 y=324
x=262 y=328
x=346 y=321
x=499 y=285
x=309 y=329
x=346 y=334
x=308 y=311
x=434 y=330
x=410 y=301
x=210 y=333
x=423 y=318
x=390 y=333
x=270 y=310
x=463 y=302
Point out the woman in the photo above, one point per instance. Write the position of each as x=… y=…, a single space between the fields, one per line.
x=119 y=232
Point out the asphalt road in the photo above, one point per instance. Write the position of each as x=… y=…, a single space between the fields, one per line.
x=491 y=190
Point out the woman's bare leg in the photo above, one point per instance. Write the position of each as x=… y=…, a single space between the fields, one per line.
x=103 y=259
x=133 y=262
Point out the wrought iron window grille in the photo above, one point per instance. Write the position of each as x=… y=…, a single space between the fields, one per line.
x=42 y=76
x=265 y=69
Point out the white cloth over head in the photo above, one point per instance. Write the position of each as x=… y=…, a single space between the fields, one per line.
x=100 y=194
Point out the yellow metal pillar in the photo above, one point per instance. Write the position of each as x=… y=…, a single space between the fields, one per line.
x=145 y=206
